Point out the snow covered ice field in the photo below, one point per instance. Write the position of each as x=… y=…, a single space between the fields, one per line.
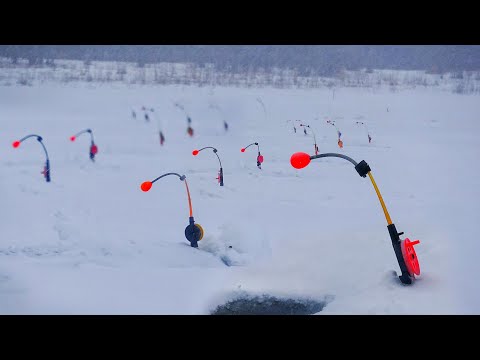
x=91 y=242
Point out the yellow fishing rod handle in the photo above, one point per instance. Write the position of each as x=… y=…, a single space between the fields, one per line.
x=384 y=207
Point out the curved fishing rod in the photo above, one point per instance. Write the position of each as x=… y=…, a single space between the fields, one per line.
x=404 y=251
x=332 y=122
x=220 y=173
x=314 y=137
x=293 y=124
x=159 y=127
x=263 y=106
x=193 y=232
x=189 y=120
x=145 y=109
x=147 y=119
x=216 y=107
x=181 y=107
x=339 y=142
x=46 y=169
x=259 y=156
x=162 y=137
x=304 y=128
x=93 y=148
x=366 y=128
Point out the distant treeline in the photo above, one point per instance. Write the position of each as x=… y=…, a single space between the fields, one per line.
x=307 y=60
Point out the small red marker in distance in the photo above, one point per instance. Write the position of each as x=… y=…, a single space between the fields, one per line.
x=195 y=152
x=147 y=185
x=242 y=150
x=300 y=160
x=16 y=144
x=72 y=138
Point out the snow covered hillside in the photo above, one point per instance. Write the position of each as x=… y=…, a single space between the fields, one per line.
x=91 y=242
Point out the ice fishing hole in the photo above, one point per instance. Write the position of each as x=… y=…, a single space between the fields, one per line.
x=269 y=305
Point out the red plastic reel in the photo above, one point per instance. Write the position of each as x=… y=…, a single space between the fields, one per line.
x=410 y=256
x=94 y=149
x=260 y=159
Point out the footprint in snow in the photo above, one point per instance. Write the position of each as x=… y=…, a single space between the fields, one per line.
x=209 y=194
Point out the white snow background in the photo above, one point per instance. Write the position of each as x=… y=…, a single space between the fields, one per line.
x=91 y=242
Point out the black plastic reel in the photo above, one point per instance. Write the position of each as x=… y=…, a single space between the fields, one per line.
x=194 y=233
x=407 y=277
